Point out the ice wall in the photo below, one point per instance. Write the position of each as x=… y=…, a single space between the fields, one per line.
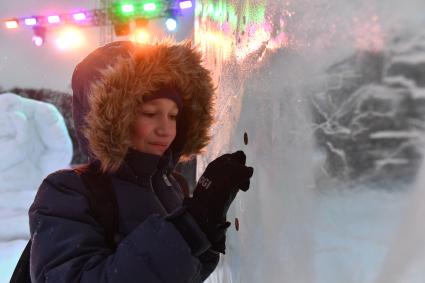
x=327 y=100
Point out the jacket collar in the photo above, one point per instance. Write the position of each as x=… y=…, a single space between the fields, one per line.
x=138 y=165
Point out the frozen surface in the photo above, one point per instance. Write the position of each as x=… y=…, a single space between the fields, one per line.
x=34 y=142
x=331 y=97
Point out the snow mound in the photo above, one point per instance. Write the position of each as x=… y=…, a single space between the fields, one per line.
x=34 y=142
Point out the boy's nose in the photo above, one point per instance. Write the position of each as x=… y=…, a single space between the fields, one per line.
x=165 y=127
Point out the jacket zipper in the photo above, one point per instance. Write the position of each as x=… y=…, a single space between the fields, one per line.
x=150 y=181
x=166 y=180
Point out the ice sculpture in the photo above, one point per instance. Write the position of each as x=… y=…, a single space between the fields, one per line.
x=331 y=96
x=34 y=142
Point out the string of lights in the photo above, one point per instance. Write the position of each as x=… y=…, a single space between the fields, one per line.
x=119 y=14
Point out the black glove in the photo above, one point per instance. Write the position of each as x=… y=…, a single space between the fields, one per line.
x=214 y=193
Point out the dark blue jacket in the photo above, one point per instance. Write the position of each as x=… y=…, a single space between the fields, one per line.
x=68 y=244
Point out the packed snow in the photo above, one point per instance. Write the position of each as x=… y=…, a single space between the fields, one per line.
x=34 y=142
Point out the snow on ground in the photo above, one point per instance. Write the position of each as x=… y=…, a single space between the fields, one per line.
x=9 y=255
x=14 y=233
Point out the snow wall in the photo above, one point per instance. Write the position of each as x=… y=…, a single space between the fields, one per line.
x=34 y=142
x=327 y=99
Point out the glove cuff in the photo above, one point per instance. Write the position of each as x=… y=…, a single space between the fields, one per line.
x=214 y=229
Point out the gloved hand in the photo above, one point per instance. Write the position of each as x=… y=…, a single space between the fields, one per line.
x=214 y=193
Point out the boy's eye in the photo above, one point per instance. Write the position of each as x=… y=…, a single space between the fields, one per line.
x=148 y=114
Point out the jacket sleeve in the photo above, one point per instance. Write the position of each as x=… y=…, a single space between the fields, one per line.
x=68 y=244
x=188 y=227
x=190 y=231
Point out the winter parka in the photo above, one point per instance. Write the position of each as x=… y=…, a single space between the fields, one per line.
x=68 y=244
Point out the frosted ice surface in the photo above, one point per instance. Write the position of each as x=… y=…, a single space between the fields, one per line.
x=330 y=94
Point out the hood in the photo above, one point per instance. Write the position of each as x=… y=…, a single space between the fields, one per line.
x=115 y=93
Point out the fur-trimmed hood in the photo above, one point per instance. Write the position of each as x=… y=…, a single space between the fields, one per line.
x=115 y=94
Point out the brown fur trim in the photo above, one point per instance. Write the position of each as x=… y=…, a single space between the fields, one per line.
x=115 y=98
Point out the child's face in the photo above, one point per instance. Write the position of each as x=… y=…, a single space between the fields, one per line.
x=155 y=127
